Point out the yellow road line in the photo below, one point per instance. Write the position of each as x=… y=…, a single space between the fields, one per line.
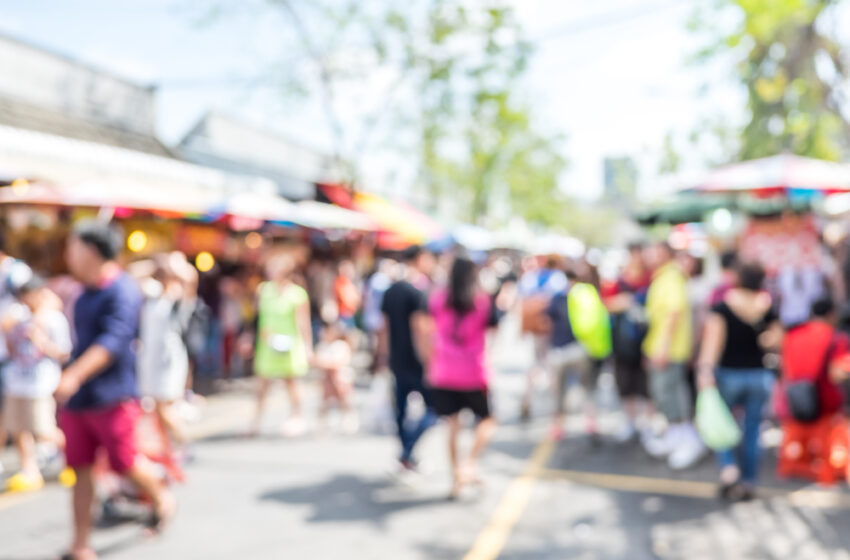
x=630 y=483
x=493 y=537
x=694 y=489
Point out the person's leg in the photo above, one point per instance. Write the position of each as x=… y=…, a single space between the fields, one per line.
x=429 y=419
x=541 y=350
x=757 y=394
x=731 y=391
x=143 y=475
x=664 y=388
x=295 y=425
x=116 y=431
x=81 y=444
x=263 y=386
x=82 y=500
x=293 y=389
x=561 y=372
x=25 y=443
x=453 y=423
x=169 y=419
x=483 y=434
x=589 y=372
x=402 y=390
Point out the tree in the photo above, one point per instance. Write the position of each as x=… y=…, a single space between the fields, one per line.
x=793 y=69
x=444 y=78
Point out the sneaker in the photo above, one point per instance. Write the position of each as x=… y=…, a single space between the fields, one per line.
x=25 y=483
x=689 y=451
x=350 y=423
x=659 y=446
x=626 y=433
x=294 y=427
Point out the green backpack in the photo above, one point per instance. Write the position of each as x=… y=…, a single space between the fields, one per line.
x=589 y=320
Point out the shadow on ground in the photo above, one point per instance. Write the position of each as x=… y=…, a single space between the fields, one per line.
x=352 y=498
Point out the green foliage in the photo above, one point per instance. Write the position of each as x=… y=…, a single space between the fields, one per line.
x=479 y=144
x=453 y=106
x=793 y=71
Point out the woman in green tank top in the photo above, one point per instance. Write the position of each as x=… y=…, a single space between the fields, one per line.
x=284 y=339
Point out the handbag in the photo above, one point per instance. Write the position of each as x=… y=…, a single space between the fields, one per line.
x=802 y=395
x=803 y=400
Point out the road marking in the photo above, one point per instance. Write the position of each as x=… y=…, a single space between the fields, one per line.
x=493 y=537
x=642 y=484
x=813 y=498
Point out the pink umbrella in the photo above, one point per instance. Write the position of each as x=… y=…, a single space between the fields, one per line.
x=781 y=174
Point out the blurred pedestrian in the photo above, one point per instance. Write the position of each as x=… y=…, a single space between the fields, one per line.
x=347 y=293
x=536 y=288
x=97 y=389
x=405 y=308
x=625 y=301
x=284 y=343
x=457 y=369
x=333 y=357
x=567 y=359
x=39 y=343
x=12 y=272
x=736 y=333
x=667 y=348
x=373 y=318
x=728 y=276
x=162 y=366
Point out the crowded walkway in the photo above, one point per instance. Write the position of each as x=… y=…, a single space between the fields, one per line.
x=566 y=374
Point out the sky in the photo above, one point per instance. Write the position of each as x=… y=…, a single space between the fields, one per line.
x=612 y=75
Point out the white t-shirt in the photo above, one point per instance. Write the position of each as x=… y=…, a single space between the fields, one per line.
x=30 y=374
x=11 y=271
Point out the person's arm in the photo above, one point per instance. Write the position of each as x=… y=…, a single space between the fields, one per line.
x=302 y=317
x=772 y=337
x=619 y=303
x=383 y=350
x=713 y=341
x=119 y=330
x=54 y=346
x=422 y=327
x=662 y=356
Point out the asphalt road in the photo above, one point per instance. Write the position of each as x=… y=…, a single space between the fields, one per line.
x=327 y=495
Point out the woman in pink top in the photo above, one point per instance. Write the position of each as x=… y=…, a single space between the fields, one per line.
x=458 y=371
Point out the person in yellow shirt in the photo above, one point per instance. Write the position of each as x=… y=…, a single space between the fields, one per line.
x=667 y=348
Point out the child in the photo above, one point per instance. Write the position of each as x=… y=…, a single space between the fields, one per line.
x=39 y=341
x=333 y=357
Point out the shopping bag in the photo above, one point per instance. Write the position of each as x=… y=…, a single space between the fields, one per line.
x=715 y=423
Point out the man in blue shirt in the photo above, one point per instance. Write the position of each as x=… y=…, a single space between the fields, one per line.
x=98 y=388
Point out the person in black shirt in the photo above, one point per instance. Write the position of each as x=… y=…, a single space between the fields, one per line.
x=405 y=306
x=737 y=330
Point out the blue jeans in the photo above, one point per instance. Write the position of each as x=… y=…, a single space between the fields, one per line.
x=410 y=434
x=749 y=389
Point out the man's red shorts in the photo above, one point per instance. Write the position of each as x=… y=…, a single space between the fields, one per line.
x=113 y=429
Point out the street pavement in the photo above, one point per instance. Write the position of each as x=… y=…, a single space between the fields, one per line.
x=328 y=495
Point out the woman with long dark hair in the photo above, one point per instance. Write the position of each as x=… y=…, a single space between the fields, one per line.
x=457 y=370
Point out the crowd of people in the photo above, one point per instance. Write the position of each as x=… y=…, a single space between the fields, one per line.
x=87 y=354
